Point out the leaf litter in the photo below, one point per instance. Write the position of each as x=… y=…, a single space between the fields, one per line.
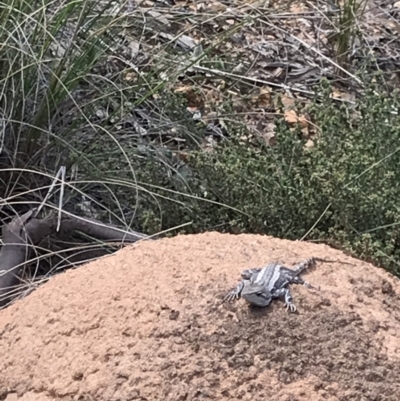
x=246 y=53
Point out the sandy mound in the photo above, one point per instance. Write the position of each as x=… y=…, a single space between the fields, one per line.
x=148 y=324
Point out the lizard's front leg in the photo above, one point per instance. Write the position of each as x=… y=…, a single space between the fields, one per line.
x=234 y=294
x=288 y=298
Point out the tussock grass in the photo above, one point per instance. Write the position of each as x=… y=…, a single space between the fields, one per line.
x=89 y=86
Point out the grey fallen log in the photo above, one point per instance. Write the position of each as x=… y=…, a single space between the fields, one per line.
x=24 y=232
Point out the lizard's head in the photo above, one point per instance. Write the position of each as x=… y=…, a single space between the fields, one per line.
x=256 y=295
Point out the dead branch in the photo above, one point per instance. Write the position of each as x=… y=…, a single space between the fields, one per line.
x=26 y=231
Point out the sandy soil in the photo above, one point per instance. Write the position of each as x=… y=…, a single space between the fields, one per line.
x=148 y=324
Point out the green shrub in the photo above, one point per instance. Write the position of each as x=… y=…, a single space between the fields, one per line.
x=344 y=190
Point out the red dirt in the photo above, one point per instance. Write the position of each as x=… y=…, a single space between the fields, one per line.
x=147 y=324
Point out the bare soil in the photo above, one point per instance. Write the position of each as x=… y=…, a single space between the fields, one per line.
x=148 y=324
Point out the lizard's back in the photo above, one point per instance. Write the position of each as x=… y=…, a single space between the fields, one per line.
x=269 y=277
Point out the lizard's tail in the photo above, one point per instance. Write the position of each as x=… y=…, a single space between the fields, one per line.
x=300 y=267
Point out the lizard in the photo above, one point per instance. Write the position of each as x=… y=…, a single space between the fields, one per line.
x=260 y=285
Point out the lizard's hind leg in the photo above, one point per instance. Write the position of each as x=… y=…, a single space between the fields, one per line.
x=299 y=280
x=299 y=268
x=249 y=273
